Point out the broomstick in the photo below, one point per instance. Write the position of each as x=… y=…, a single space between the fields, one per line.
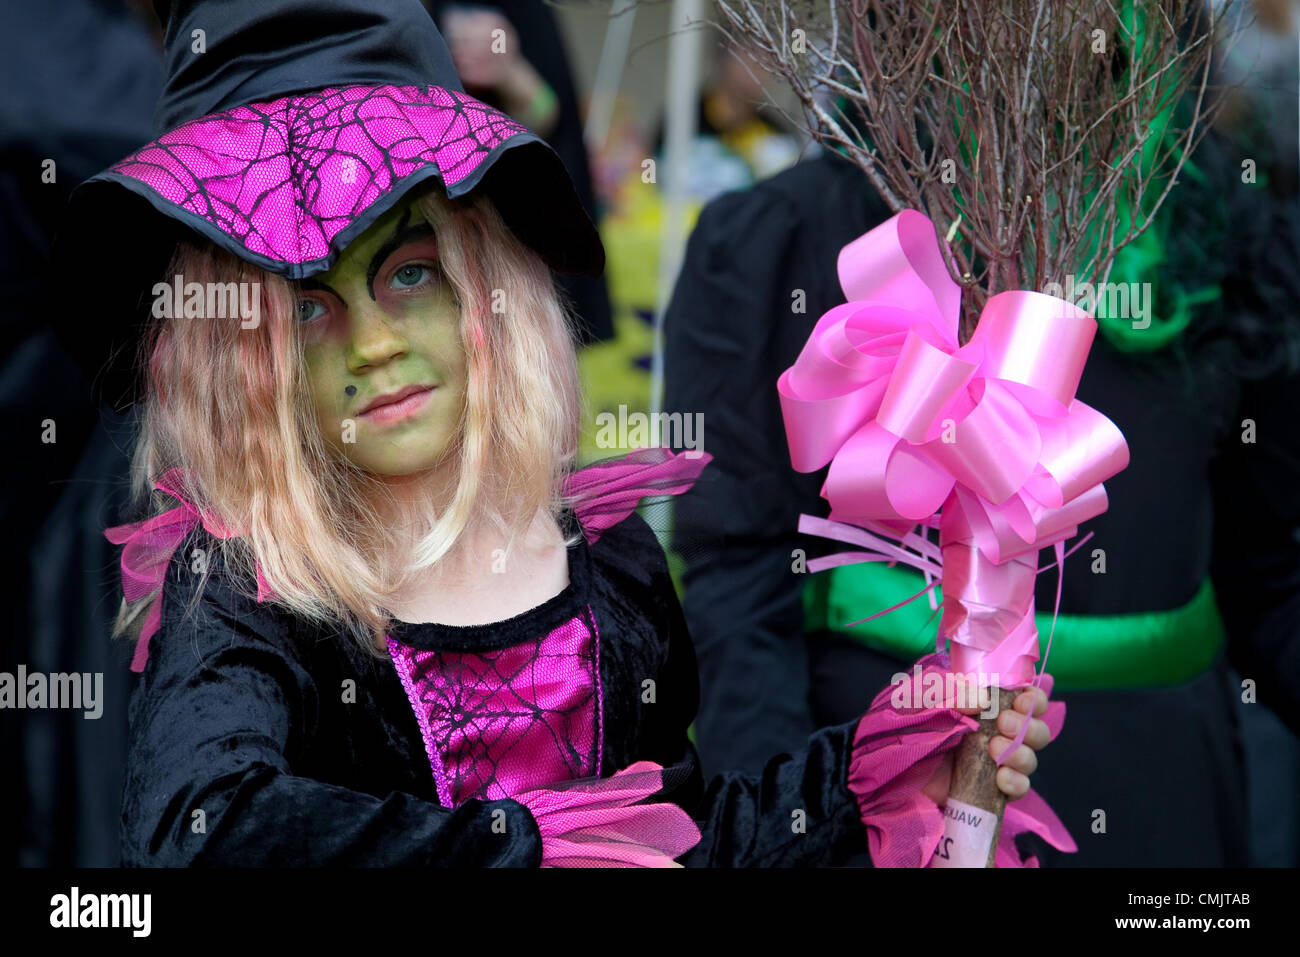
x=1044 y=136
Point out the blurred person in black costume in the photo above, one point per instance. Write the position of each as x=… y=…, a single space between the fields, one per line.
x=1199 y=519
x=537 y=52
x=81 y=78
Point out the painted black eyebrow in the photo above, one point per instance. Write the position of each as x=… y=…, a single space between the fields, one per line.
x=310 y=283
x=402 y=235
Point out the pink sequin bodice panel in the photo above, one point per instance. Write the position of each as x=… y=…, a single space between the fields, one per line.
x=501 y=721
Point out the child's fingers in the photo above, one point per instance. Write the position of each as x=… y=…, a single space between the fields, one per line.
x=1023 y=759
x=1021 y=703
x=1037 y=737
x=1012 y=783
x=969 y=700
x=1034 y=695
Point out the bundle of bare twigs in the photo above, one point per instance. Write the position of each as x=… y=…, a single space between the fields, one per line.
x=1043 y=135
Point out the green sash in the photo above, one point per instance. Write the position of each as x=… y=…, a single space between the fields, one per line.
x=1088 y=651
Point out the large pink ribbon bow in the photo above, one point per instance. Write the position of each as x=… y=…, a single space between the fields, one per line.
x=150 y=545
x=989 y=435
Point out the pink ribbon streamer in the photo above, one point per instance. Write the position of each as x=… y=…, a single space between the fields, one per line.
x=988 y=435
x=597 y=822
x=602 y=495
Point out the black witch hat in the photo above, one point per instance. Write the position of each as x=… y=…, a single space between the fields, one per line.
x=285 y=129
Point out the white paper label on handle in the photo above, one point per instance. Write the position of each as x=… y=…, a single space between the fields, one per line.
x=967 y=836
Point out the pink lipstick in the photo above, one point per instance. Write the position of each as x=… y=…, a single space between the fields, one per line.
x=397 y=405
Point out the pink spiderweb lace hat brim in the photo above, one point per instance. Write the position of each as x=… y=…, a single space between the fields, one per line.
x=286 y=185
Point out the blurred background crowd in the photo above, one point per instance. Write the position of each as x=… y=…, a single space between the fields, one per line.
x=600 y=79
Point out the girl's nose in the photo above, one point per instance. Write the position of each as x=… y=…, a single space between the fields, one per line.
x=376 y=337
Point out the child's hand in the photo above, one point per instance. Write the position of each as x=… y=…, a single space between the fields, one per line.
x=1013 y=775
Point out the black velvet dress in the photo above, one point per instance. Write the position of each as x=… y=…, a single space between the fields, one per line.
x=259 y=739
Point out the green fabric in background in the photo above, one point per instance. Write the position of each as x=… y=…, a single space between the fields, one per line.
x=1089 y=652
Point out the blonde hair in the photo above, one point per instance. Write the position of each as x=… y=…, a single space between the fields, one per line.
x=233 y=407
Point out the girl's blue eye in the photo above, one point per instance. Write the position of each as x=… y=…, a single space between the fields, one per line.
x=408 y=277
x=309 y=309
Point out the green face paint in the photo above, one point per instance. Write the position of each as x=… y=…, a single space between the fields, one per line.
x=385 y=319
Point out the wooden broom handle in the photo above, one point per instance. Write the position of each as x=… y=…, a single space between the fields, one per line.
x=974 y=773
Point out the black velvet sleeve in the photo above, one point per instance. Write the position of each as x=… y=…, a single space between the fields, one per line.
x=220 y=721
x=796 y=812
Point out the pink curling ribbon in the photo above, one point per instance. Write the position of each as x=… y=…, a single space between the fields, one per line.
x=150 y=545
x=988 y=435
x=598 y=822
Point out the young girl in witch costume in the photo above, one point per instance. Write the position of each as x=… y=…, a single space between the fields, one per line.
x=378 y=622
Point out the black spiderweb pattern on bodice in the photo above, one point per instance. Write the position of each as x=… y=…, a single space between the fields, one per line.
x=501 y=721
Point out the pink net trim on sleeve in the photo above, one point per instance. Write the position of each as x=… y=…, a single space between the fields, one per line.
x=896 y=750
x=597 y=822
x=149 y=547
x=605 y=493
